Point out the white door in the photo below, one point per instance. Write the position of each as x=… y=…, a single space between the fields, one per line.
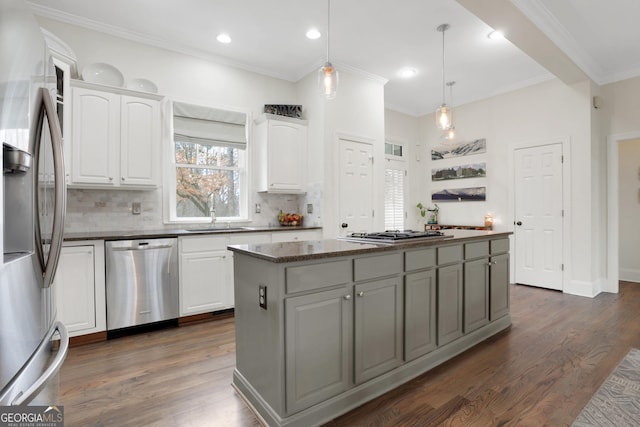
x=538 y=216
x=356 y=187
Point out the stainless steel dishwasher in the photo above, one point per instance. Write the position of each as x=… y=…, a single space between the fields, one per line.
x=141 y=282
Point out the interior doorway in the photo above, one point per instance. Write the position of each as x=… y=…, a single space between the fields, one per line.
x=615 y=142
x=538 y=215
x=356 y=186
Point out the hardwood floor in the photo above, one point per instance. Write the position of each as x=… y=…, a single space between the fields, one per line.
x=542 y=371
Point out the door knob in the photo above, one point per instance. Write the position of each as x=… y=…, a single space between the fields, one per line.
x=344 y=225
x=519 y=223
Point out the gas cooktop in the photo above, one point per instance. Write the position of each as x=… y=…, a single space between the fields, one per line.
x=395 y=236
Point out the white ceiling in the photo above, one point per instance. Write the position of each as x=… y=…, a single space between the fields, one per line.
x=379 y=37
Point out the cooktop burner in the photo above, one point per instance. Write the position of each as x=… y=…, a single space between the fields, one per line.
x=394 y=236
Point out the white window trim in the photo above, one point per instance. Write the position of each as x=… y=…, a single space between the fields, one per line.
x=399 y=163
x=169 y=173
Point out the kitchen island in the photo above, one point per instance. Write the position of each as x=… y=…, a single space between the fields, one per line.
x=324 y=326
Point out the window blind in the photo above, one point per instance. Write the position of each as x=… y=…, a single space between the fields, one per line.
x=394 y=199
x=209 y=126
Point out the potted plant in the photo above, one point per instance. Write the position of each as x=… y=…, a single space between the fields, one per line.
x=433 y=212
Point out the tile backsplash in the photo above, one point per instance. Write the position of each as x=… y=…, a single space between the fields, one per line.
x=111 y=210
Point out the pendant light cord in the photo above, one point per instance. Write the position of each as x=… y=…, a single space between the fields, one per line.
x=444 y=28
x=328 y=26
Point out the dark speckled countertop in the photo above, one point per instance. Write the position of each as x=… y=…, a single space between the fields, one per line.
x=309 y=250
x=152 y=234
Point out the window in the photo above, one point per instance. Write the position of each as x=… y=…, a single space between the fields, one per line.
x=394 y=183
x=209 y=164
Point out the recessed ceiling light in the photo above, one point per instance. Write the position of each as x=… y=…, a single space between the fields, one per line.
x=224 y=38
x=313 y=34
x=496 y=35
x=408 y=72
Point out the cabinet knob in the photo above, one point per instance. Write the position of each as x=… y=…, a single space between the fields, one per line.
x=360 y=294
x=110 y=178
x=347 y=297
x=122 y=178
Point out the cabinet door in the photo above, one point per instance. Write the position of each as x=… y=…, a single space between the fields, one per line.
x=286 y=156
x=419 y=314
x=317 y=347
x=202 y=282
x=75 y=288
x=499 y=286
x=140 y=141
x=296 y=236
x=378 y=328
x=476 y=294
x=95 y=137
x=449 y=303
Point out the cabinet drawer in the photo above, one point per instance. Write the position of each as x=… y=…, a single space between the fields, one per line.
x=424 y=258
x=499 y=246
x=449 y=254
x=377 y=266
x=203 y=244
x=476 y=250
x=316 y=276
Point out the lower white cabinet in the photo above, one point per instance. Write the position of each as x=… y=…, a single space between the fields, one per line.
x=204 y=274
x=79 y=287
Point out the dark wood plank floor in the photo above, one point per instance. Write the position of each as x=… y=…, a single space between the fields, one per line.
x=540 y=372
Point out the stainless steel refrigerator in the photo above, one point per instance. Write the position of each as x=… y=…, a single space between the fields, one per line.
x=33 y=344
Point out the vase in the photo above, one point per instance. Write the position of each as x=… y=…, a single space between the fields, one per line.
x=433 y=218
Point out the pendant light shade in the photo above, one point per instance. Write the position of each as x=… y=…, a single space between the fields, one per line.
x=327 y=74
x=443 y=113
x=450 y=132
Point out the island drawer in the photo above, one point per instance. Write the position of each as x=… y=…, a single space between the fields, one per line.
x=476 y=250
x=423 y=258
x=499 y=246
x=317 y=276
x=449 y=254
x=377 y=266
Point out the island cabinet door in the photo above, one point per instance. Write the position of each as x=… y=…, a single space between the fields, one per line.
x=318 y=349
x=419 y=314
x=378 y=327
x=449 y=303
x=499 y=286
x=476 y=294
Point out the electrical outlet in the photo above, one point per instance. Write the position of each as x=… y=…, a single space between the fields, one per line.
x=136 y=208
x=258 y=208
x=262 y=296
x=309 y=208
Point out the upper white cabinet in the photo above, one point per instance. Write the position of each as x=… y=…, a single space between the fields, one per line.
x=281 y=145
x=115 y=139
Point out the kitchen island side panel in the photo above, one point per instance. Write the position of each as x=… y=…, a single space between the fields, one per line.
x=259 y=336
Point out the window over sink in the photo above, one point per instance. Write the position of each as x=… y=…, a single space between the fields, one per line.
x=208 y=165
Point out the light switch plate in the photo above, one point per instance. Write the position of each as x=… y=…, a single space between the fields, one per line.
x=136 y=208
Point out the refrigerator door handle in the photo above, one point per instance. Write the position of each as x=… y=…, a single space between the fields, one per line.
x=25 y=397
x=60 y=189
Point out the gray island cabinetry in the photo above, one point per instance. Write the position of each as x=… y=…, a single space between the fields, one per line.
x=324 y=326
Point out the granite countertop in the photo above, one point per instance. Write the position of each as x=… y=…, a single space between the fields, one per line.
x=309 y=250
x=164 y=233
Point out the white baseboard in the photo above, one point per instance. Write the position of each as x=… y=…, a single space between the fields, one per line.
x=583 y=289
x=629 y=275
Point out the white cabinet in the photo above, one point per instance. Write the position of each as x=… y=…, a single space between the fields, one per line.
x=115 y=139
x=79 y=288
x=281 y=145
x=204 y=274
x=296 y=235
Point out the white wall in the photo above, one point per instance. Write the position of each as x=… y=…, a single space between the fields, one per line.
x=546 y=112
x=629 y=209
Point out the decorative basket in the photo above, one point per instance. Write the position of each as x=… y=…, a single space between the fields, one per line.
x=290 y=220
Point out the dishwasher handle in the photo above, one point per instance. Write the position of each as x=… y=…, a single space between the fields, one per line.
x=143 y=247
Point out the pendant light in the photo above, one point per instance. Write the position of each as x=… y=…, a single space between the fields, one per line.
x=450 y=133
x=443 y=114
x=327 y=74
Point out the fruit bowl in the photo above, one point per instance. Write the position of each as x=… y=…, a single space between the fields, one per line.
x=290 y=219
